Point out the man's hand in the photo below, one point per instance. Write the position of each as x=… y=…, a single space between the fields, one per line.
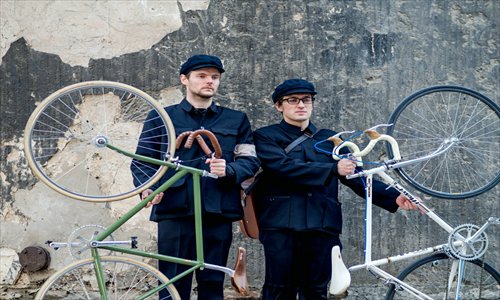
x=404 y=203
x=217 y=166
x=346 y=166
x=156 y=199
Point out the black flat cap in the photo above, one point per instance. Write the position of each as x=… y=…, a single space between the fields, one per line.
x=293 y=86
x=199 y=61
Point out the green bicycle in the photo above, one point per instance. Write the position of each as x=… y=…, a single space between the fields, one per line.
x=80 y=141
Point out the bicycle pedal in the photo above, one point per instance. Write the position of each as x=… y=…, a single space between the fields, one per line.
x=133 y=242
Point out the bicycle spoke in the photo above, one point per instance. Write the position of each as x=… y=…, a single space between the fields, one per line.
x=438 y=277
x=67 y=135
x=124 y=278
x=444 y=114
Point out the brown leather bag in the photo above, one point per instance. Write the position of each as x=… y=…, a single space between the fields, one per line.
x=249 y=226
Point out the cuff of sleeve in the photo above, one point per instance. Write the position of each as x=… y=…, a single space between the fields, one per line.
x=333 y=173
x=230 y=171
x=230 y=177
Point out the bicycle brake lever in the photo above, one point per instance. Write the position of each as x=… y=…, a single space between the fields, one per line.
x=336 y=140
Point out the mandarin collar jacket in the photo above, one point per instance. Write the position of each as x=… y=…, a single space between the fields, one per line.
x=298 y=190
x=220 y=197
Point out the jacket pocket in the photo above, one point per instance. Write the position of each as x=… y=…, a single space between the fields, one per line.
x=227 y=138
x=275 y=212
x=332 y=216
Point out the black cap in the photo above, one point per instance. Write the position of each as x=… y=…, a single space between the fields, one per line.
x=293 y=86
x=199 y=61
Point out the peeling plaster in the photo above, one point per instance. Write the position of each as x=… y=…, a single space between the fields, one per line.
x=78 y=31
x=10 y=268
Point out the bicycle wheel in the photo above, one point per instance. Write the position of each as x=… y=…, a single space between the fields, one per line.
x=67 y=135
x=430 y=275
x=124 y=278
x=429 y=117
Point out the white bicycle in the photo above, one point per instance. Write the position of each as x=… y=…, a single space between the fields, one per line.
x=462 y=128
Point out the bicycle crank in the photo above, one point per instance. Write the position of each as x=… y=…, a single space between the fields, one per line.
x=79 y=240
x=467 y=242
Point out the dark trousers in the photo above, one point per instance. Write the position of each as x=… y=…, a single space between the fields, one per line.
x=297 y=263
x=176 y=237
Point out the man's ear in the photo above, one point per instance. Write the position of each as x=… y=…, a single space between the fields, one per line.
x=279 y=106
x=183 y=78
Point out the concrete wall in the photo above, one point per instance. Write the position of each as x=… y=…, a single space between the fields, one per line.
x=363 y=56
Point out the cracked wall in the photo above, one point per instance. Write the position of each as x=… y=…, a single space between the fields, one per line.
x=363 y=56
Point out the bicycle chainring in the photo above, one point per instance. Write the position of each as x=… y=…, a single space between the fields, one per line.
x=460 y=247
x=79 y=240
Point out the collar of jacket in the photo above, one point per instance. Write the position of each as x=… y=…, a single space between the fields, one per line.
x=296 y=130
x=187 y=107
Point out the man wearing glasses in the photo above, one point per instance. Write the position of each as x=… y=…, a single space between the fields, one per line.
x=297 y=204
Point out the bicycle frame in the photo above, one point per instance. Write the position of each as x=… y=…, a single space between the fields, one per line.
x=199 y=263
x=373 y=265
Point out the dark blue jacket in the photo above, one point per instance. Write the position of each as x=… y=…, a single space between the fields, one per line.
x=299 y=189
x=219 y=196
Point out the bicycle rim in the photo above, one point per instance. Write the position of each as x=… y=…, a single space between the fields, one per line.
x=429 y=117
x=124 y=278
x=430 y=275
x=67 y=134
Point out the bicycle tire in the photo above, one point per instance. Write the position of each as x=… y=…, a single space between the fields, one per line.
x=423 y=120
x=430 y=275
x=77 y=280
x=64 y=134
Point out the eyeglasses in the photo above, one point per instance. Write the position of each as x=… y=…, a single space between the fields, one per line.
x=295 y=100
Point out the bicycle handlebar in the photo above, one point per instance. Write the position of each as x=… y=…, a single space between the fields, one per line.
x=192 y=135
x=374 y=136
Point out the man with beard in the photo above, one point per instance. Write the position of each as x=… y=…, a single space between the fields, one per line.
x=173 y=210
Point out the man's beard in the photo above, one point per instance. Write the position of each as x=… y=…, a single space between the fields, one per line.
x=204 y=95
